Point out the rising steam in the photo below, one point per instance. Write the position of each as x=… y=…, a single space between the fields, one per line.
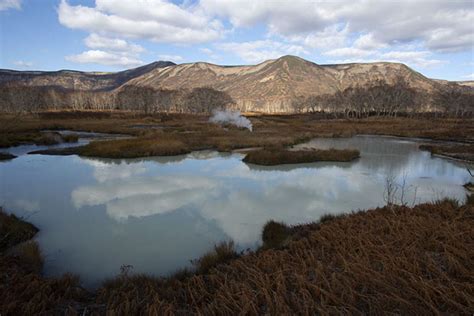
x=231 y=117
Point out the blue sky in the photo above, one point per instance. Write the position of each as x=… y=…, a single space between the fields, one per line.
x=433 y=37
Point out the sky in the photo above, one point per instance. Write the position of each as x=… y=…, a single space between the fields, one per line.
x=434 y=37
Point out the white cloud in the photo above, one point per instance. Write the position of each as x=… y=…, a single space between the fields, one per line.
x=367 y=42
x=10 y=4
x=156 y=20
x=366 y=49
x=104 y=58
x=258 y=51
x=330 y=37
x=145 y=196
x=469 y=77
x=23 y=64
x=441 y=25
x=417 y=58
x=96 y=41
x=174 y=58
x=212 y=56
x=348 y=52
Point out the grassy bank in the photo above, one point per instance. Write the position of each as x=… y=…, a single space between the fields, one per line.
x=271 y=157
x=6 y=156
x=460 y=152
x=162 y=134
x=395 y=259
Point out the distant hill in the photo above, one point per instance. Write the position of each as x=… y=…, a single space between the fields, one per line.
x=269 y=87
x=78 y=80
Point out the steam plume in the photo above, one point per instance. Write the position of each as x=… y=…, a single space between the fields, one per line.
x=231 y=117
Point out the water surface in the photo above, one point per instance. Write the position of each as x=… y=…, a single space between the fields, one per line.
x=158 y=213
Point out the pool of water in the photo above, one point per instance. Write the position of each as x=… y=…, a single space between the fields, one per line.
x=159 y=213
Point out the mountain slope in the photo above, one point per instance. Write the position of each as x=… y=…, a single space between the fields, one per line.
x=271 y=85
x=268 y=87
x=77 y=80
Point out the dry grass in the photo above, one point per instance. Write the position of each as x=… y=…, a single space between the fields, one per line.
x=23 y=290
x=194 y=132
x=134 y=148
x=400 y=261
x=395 y=260
x=275 y=156
x=222 y=253
x=6 y=156
x=462 y=152
x=469 y=186
x=30 y=255
x=275 y=234
x=13 y=230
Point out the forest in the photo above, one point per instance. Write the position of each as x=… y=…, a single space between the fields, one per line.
x=376 y=99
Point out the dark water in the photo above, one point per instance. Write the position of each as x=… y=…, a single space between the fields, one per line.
x=157 y=214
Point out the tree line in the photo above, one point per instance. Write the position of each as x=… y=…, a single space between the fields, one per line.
x=382 y=99
x=20 y=98
x=377 y=98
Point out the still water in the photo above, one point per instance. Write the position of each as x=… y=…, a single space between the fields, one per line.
x=156 y=214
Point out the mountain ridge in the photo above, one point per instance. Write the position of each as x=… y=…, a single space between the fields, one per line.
x=270 y=86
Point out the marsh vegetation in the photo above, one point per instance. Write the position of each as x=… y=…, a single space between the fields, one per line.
x=311 y=267
x=279 y=156
x=319 y=267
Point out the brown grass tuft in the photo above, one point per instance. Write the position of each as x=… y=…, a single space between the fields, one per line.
x=222 y=253
x=270 y=157
x=13 y=230
x=30 y=254
x=275 y=234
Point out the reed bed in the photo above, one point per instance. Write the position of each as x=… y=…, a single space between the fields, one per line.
x=194 y=132
x=461 y=152
x=279 y=156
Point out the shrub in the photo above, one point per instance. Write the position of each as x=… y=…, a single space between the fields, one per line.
x=70 y=138
x=275 y=234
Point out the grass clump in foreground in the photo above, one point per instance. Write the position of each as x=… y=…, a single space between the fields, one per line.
x=275 y=234
x=270 y=157
x=222 y=253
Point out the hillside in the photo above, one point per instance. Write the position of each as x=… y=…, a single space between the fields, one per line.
x=269 y=87
x=78 y=80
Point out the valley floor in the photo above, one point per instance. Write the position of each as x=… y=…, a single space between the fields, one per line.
x=174 y=134
x=395 y=260
x=392 y=260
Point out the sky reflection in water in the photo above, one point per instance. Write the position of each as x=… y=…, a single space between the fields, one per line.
x=158 y=213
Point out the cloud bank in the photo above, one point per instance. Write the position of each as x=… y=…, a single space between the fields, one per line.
x=412 y=32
